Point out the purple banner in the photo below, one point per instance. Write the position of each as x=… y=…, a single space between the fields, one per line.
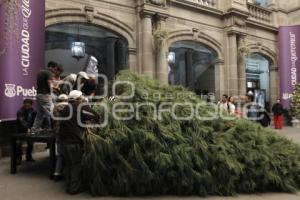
x=22 y=28
x=289 y=62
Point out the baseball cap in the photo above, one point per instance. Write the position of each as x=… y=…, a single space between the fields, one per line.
x=84 y=75
x=63 y=97
x=75 y=94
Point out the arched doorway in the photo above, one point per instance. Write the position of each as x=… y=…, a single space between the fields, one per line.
x=258 y=78
x=192 y=65
x=109 y=48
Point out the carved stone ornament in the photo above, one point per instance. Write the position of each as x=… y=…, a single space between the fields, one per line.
x=259 y=46
x=89 y=12
x=158 y=2
x=243 y=50
x=239 y=22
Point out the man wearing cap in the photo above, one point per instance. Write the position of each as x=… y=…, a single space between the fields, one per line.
x=71 y=137
x=61 y=103
x=82 y=78
x=57 y=72
x=74 y=82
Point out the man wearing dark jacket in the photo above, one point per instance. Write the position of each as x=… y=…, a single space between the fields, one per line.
x=71 y=136
x=25 y=119
x=278 y=114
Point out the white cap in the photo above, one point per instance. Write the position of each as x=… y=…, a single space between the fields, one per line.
x=94 y=59
x=75 y=94
x=63 y=97
x=83 y=75
x=250 y=93
x=73 y=76
x=70 y=78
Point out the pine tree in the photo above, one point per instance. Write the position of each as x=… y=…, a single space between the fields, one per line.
x=176 y=157
x=295 y=105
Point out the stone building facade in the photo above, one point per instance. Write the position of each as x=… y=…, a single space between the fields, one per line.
x=227 y=31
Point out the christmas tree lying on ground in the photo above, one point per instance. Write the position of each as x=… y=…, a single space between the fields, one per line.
x=147 y=156
x=295 y=106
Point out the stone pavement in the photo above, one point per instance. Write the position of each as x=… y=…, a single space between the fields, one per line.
x=291 y=133
x=32 y=183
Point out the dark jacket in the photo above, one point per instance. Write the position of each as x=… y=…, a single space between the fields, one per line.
x=89 y=87
x=253 y=112
x=57 y=113
x=25 y=120
x=265 y=120
x=70 y=130
x=277 y=109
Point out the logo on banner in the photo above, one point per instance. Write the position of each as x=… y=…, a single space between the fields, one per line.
x=12 y=90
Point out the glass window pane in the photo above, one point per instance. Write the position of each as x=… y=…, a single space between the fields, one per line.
x=193 y=66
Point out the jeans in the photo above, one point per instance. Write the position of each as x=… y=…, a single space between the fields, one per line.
x=44 y=108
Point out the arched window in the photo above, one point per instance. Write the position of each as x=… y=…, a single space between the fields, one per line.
x=192 y=65
x=109 y=48
x=258 y=78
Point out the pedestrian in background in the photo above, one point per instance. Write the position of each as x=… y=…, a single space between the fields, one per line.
x=252 y=109
x=278 y=110
x=223 y=105
x=232 y=107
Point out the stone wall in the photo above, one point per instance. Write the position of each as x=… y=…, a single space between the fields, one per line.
x=218 y=24
x=227 y=26
x=294 y=16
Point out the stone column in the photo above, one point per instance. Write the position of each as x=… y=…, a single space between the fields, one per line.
x=162 y=70
x=132 y=59
x=219 y=78
x=110 y=58
x=232 y=66
x=148 y=67
x=241 y=65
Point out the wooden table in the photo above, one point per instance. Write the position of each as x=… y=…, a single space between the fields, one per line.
x=48 y=138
